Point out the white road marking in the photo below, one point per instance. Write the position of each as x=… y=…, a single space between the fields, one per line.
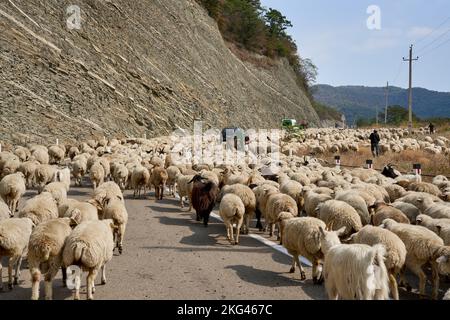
x=263 y=240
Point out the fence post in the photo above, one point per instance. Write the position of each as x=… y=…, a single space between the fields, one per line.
x=418 y=171
x=369 y=164
x=338 y=161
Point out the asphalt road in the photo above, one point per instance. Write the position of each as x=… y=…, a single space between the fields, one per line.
x=168 y=255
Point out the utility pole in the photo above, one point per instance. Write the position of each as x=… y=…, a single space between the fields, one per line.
x=387 y=103
x=410 y=60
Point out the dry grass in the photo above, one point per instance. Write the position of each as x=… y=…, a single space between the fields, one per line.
x=431 y=164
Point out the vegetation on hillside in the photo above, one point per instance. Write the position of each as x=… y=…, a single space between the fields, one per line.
x=252 y=27
x=326 y=112
x=396 y=115
x=361 y=102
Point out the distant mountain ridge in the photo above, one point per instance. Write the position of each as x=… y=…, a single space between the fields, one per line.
x=358 y=102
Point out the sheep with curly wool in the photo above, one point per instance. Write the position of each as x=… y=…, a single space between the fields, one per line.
x=40 y=208
x=431 y=223
x=422 y=246
x=357 y=202
x=79 y=169
x=120 y=175
x=294 y=189
x=5 y=213
x=184 y=189
x=248 y=199
x=12 y=187
x=312 y=200
x=58 y=191
x=140 y=178
x=56 y=154
x=276 y=203
x=395 y=251
x=172 y=173
x=232 y=212
x=28 y=169
x=158 y=179
x=89 y=246
x=339 y=214
x=381 y=211
x=14 y=237
x=114 y=209
x=44 y=175
x=97 y=174
x=45 y=253
x=301 y=238
x=41 y=155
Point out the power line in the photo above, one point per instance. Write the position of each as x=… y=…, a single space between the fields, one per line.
x=432 y=31
x=434 y=41
x=435 y=48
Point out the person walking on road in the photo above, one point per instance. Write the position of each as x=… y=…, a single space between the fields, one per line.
x=375 y=143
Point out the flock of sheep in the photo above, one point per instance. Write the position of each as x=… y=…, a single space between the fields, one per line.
x=320 y=141
x=360 y=229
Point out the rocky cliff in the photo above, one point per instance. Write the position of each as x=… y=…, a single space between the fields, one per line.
x=133 y=67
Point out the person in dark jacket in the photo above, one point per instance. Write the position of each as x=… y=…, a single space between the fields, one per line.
x=375 y=143
x=431 y=126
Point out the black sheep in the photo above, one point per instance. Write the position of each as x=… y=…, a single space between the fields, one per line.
x=388 y=171
x=204 y=195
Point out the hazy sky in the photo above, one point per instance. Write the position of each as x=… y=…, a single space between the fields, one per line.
x=334 y=34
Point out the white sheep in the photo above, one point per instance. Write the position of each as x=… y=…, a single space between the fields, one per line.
x=58 y=191
x=14 y=236
x=5 y=213
x=277 y=203
x=248 y=199
x=43 y=175
x=172 y=172
x=338 y=214
x=115 y=210
x=12 y=187
x=232 y=212
x=40 y=208
x=140 y=178
x=357 y=202
x=353 y=271
x=423 y=246
x=294 y=189
x=45 y=253
x=63 y=176
x=56 y=154
x=89 y=246
x=184 y=189
x=81 y=211
x=430 y=223
x=395 y=251
x=97 y=174
x=158 y=179
x=28 y=169
x=79 y=169
x=301 y=238
x=312 y=200
x=40 y=154
x=410 y=210
x=120 y=175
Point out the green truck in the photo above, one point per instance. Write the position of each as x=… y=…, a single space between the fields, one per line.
x=293 y=129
